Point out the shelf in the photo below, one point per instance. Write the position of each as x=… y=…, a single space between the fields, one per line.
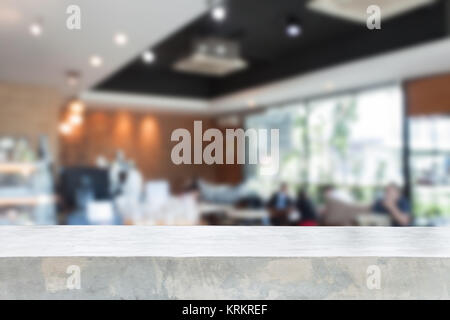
x=27 y=200
x=17 y=167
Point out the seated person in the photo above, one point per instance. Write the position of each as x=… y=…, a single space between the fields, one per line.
x=192 y=187
x=280 y=206
x=306 y=209
x=395 y=205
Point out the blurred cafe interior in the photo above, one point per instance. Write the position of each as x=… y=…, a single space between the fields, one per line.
x=87 y=112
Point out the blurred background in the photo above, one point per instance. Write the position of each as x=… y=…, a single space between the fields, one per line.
x=86 y=115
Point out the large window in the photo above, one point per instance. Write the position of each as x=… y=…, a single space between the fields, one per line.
x=430 y=165
x=353 y=141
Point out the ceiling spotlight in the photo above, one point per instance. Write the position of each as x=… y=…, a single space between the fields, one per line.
x=219 y=13
x=148 y=57
x=293 y=27
x=36 y=29
x=218 y=10
x=121 y=39
x=96 y=61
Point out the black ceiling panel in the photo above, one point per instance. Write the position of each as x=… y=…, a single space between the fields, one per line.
x=259 y=27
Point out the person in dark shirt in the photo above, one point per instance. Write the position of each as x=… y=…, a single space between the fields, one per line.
x=306 y=209
x=395 y=205
x=280 y=206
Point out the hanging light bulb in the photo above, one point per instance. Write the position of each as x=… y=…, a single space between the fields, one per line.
x=76 y=107
x=76 y=119
x=65 y=129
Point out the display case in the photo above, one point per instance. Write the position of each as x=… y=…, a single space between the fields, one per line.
x=26 y=184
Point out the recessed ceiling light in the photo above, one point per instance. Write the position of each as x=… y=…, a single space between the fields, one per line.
x=36 y=29
x=148 y=56
x=121 y=39
x=293 y=30
x=219 y=13
x=293 y=27
x=96 y=61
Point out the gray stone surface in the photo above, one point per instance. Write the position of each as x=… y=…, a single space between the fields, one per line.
x=224 y=263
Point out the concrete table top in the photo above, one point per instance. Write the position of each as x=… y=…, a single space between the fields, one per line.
x=119 y=262
x=209 y=241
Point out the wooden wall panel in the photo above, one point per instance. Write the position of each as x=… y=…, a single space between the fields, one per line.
x=143 y=136
x=230 y=173
x=428 y=95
